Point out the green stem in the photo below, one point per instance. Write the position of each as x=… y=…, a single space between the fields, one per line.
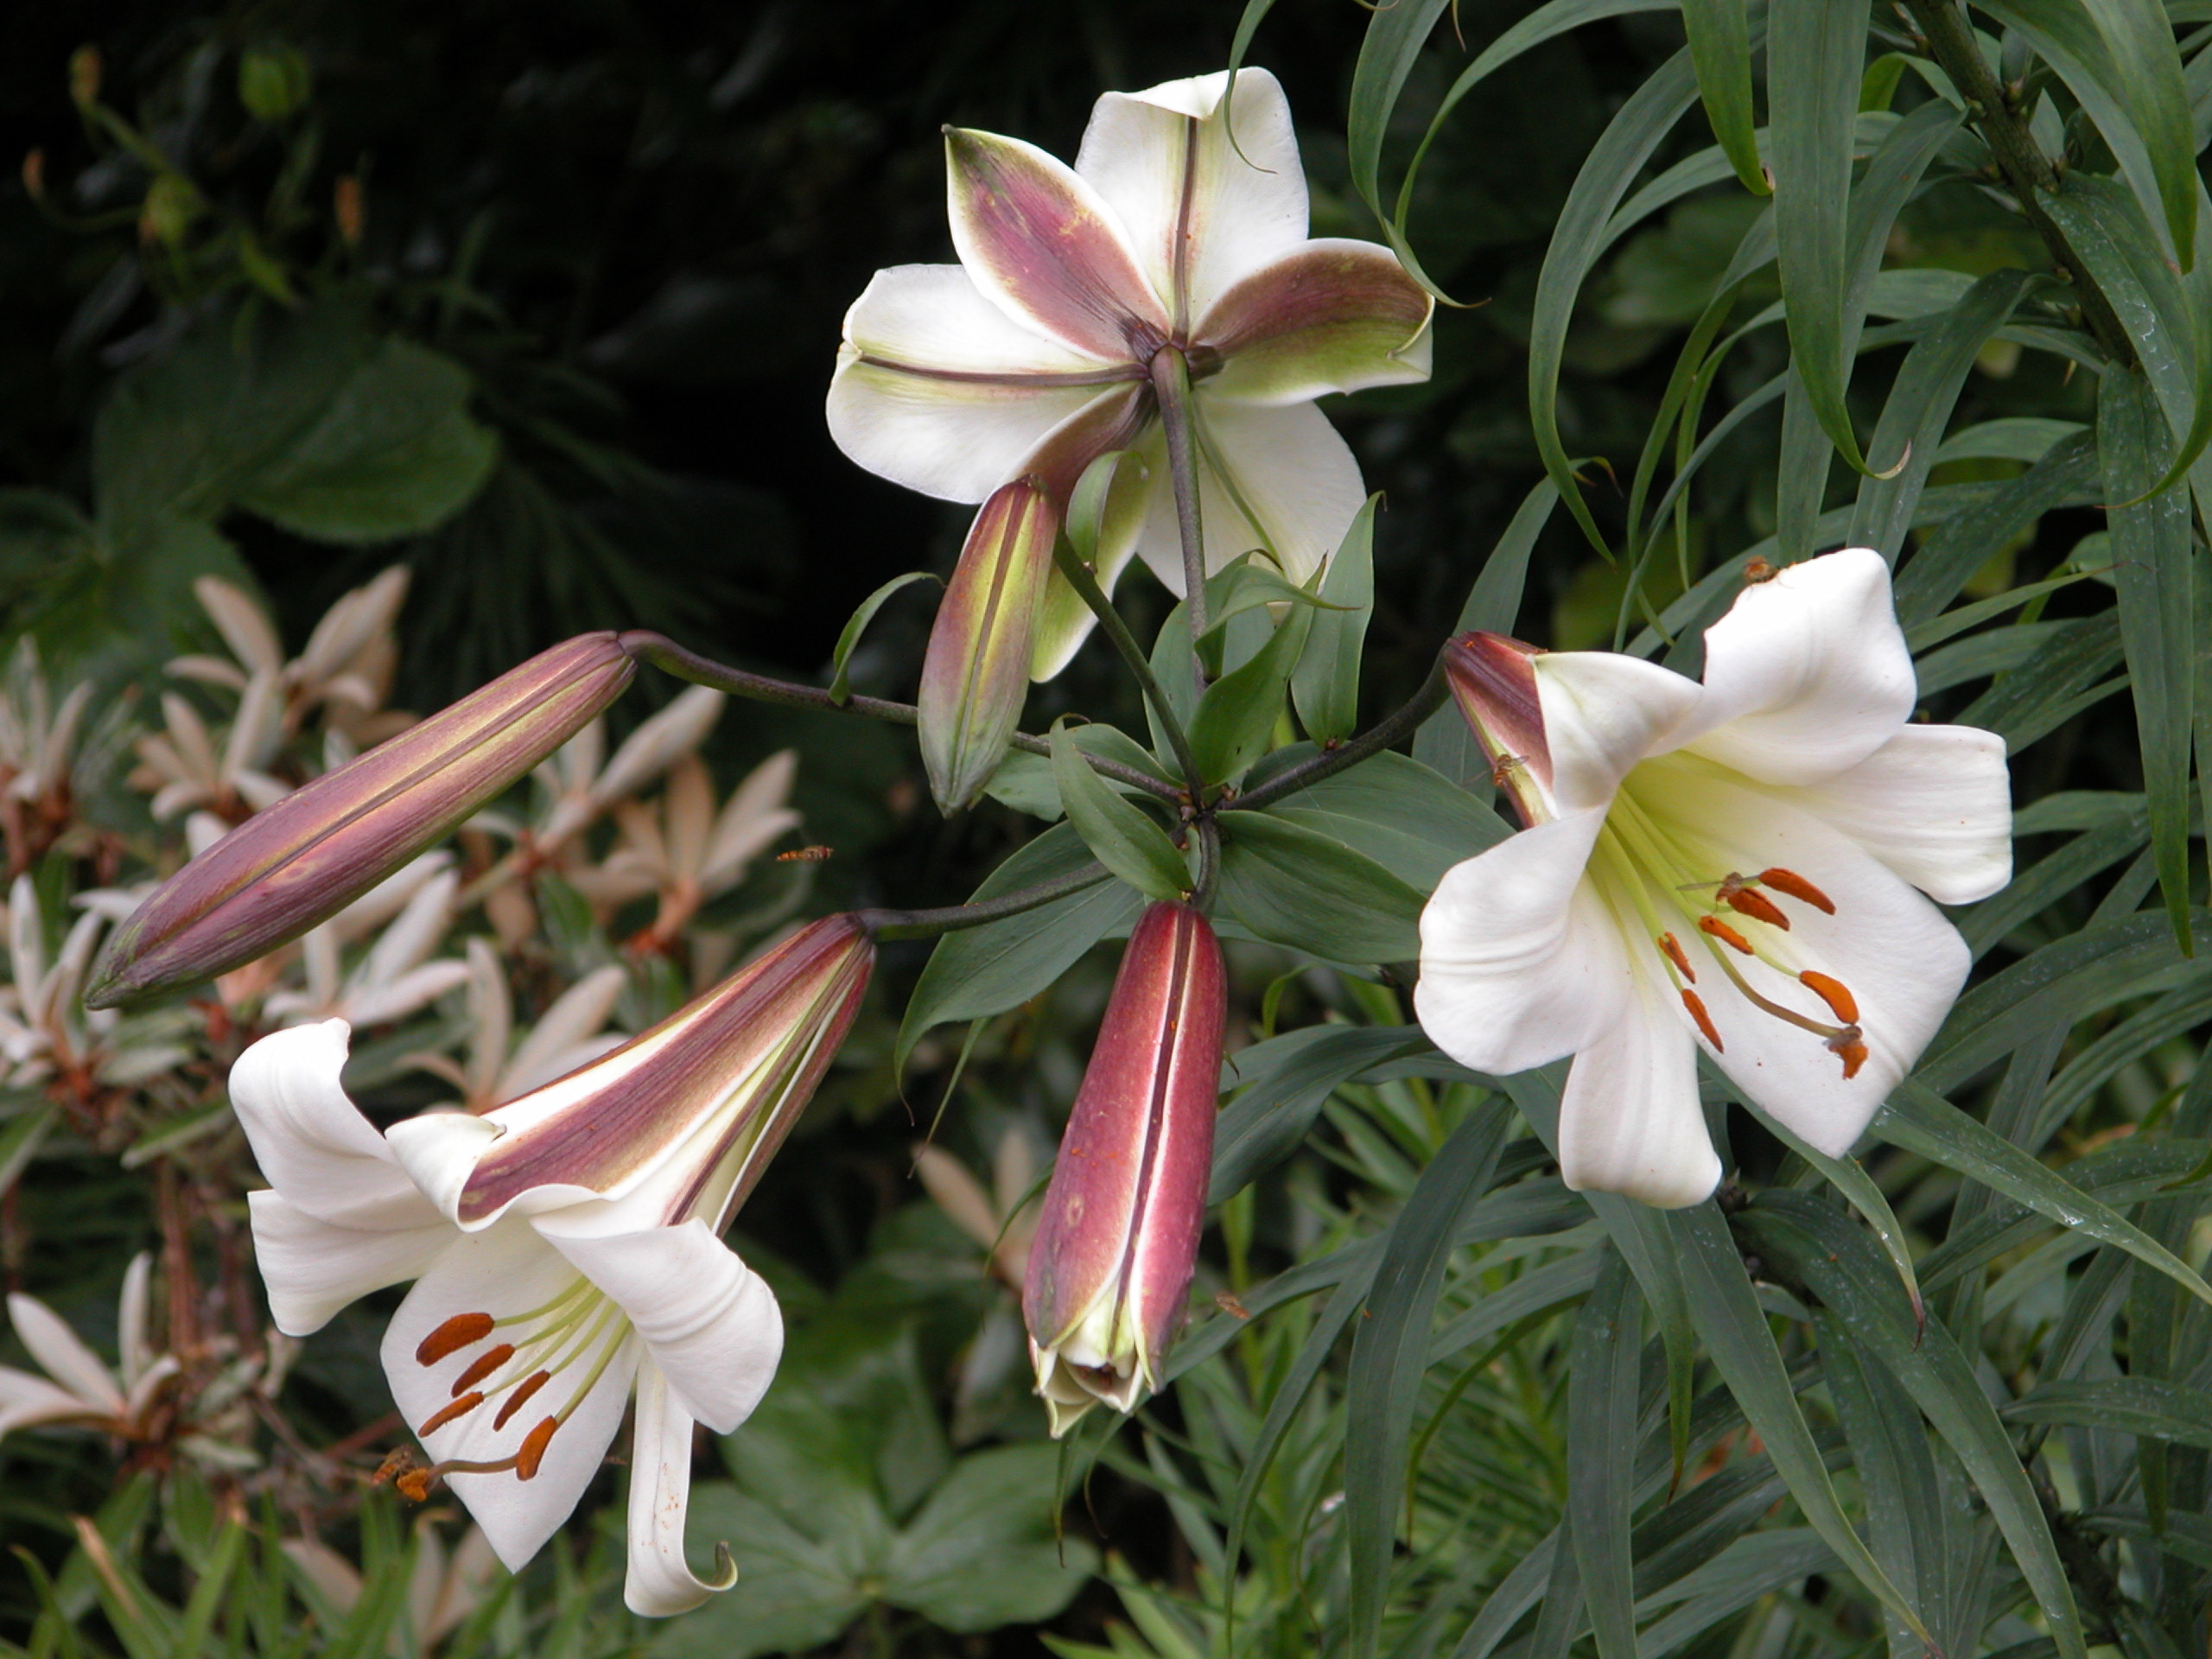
x=951 y=918
x=665 y=654
x=1393 y=728
x=2027 y=170
x=1170 y=387
x=1086 y=583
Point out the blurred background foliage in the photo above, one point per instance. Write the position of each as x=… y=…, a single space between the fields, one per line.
x=543 y=303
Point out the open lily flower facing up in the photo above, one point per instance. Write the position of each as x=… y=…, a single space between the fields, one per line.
x=1171 y=248
x=565 y=1246
x=1738 y=865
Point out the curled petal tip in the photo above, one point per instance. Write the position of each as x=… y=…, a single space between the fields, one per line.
x=1493 y=679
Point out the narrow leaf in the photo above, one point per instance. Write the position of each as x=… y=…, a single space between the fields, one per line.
x=1326 y=684
x=1120 y=833
x=841 y=683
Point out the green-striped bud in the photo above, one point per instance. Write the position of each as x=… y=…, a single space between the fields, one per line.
x=976 y=673
x=306 y=857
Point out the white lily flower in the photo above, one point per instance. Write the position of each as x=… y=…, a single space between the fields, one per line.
x=565 y=1247
x=345 y=668
x=78 y=1390
x=1034 y=355
x=1739 y=865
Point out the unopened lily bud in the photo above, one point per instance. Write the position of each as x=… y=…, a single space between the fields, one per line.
x=305 y=858
x=976 y=673
x=1111 y=1266
x=1493 y=679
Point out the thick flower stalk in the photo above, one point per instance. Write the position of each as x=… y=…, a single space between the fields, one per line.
x=1118 y=1242
x=565 y=1246
x=1738 y=866
x=1170 y=263
x=977 y=671
x=309 y=854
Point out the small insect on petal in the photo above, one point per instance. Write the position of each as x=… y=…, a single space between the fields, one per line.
x=1757 y=906
x=456 y=1334
x=1797 y=887
x=1695 y=1004
x=533 y=1449
x=1673 y=947
x=1758 y=571
x=1725 y=934
x=1835 y=993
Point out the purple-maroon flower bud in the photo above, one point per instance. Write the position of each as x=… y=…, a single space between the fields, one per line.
x=976 y=673
x=1493 y=679
x=306 y=858
x=1110 y=1267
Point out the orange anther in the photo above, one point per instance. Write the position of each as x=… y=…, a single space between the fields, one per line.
x=461 y=1407
x=524 y=1390
x=1757 y=906
x=1695 y=1004
x=1758 y=571
x=415 y=1485
x=1835 y=993
x=1722 y=931
x=533 y=1449
x=1849 y=1047
x=482 y=1366
x=1797 y=887
x=1673 y=947
x=456 y=1334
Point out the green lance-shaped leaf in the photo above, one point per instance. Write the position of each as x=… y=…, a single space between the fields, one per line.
x=1236 y=718
x=1445 y=742
x=1835 y=1259
x=1720 y=47
x=304 y=859
x=1390 y=1354
x=1299 y=887
x=1326 y=684
x=1602 y=1389
x=1394 y=39
x=840 y=659
x=1921 y=1120
x=976 y=673
x=1123 y=836
x=2154 y=567
x=1735 y=1332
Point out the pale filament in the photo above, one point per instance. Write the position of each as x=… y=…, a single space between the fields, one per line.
x=1657 y=876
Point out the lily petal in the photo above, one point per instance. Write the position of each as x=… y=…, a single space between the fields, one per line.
x=1807 y=674
x=312 y=1142
x=1935 y=804
x=658 y=1584
x=1602 y=713
x=1520 y=962
x=26 y=1401
x=1334 y=315
x=1046 y=250
x=312 y=1268
x=1278 y=480
x=937 y=390
x=1629 y=1119
x=507 y=1271
x=63 y=1354
x=709 y=1322
x=1164 y=161
x=1901 y=960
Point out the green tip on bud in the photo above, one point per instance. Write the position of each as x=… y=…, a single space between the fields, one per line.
x=976 y=673
x=318 y=848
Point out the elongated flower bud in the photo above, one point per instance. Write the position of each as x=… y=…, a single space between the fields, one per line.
x=1493 y=679
x=976 y=673
x=312 y=853
x=1111 y=1266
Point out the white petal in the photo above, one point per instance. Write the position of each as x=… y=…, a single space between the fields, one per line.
x=1901 y=960
x=660 y=742
x=61 y=1354
x=133 y=1339
x=384 y=1003
x=1807 y=674
x=1603 y=713
x=1064 y=621
x=312 y=1268
x=27 y=1401
x=311 y=1142
x=1278 y=480
x=1629 y=1119
x=1520 y=962
x=506 y=1271
x=1935 y=804
x=710 y=1323
x=438 y=1149
x=414 y=932
x=1247 y=197
x=658 y=1584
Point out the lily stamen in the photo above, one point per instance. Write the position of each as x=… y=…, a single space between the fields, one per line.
x=1835 y=993
x=481 y=1367
x=520 y=1397
x=462 y=1331
x=1797 y=887
x=1695 y=1004
x=1746 y=900
x=1727 y=935
x=1680 y=958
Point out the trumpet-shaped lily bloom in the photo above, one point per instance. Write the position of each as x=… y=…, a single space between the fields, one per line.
x=565 y=1246
x=1036 y=353
x=1738 y=866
